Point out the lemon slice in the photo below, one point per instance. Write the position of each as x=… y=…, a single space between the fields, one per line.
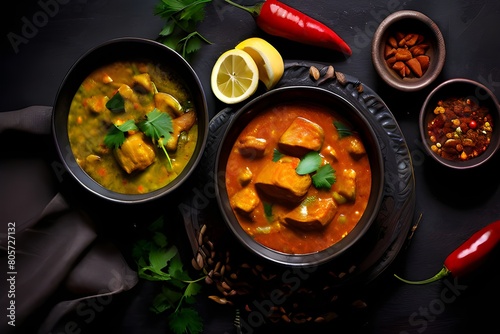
x=267 y=58
x=235 y=76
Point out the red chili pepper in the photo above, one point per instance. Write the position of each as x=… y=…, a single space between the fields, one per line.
x=280 y=20
x=467 y=256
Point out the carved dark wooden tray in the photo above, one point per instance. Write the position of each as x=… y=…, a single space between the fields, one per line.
x=302 y=295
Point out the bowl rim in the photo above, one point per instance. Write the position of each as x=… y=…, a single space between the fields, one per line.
x=308 y=259
x=379 y=61
x=492 y=148
x=59 y=132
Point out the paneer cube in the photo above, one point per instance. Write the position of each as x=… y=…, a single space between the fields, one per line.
x=96 y=103
x=346 y=185
x=245 y=200
x=301 y=137
x=135 y=154
x=245 y=176
x=355 y=148
x=312 y=215
x=279 y=181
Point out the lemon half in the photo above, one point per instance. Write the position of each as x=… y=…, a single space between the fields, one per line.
x=267 y=58
x=235 y=76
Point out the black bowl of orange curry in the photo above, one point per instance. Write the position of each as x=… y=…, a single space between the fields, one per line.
x=300 y=176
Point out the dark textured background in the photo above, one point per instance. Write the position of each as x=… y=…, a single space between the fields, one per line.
x=453 y=204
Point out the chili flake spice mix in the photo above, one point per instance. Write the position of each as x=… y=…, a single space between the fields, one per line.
x=460 y=130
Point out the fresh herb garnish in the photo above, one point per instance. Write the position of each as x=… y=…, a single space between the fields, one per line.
x=309 y=163
x=157 y=126
x=325 y=177
x=322 y=176
x=181 y=20
x=116 y=103
x=342 y=129
x=277 y=155
x=268 y=211
x=157 y=260
x=116 y=134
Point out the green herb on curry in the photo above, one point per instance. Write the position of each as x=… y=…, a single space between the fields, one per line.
x=342 y=129
x=116 y=134
x=323 y=176
x=158 y=126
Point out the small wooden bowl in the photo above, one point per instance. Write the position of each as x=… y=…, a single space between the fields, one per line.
x=408 y=21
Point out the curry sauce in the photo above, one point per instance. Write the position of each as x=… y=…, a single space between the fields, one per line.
x=282 y=209
x=139 y=164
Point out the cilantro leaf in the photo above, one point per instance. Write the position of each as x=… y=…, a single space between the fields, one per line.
x=268 y=211
x=158 y=126
x=116 y=134
x=277 y=155
x=181 y=19
x=185 y=320
x=159 y=261
x=342 y=129
x=309 y=163
x=116 y=103
x=324 y=178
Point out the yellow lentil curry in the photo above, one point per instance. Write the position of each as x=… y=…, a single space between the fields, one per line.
x=139 y=162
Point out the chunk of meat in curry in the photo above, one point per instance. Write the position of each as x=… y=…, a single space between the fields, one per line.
x=252 y=147
x=313 y=214
x=136 y=153
x=280 y=181
x=245 y=200
x=302 y=136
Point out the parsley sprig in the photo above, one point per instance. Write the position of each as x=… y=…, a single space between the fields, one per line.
x=181 y=19
x=157 y=260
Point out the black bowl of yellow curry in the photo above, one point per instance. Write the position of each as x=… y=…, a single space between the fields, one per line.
x=301 y=176
x=130 y=120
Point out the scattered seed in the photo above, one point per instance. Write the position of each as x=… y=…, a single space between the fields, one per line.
x=219 y=300
x=199 y=260
x=341 y=78
x=314 y=72
x=359 y=304
x=195 y=264
x=330 y=73
x=225 y=286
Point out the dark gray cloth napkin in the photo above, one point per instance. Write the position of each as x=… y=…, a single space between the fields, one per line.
x=51 y=245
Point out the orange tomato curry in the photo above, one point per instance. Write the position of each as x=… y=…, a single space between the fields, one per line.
x=278 y=207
